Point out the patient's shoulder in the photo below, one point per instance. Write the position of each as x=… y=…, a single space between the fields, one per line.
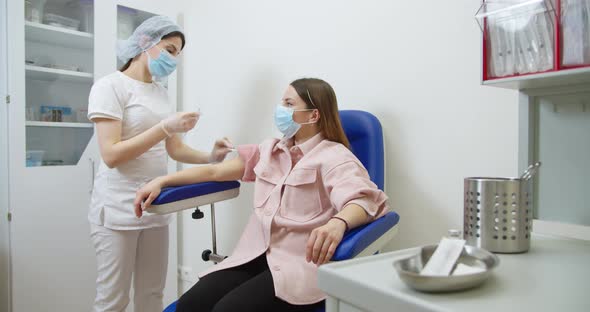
x=335 y=149
x=334 y=154
x=269 y=143
x=267 y=146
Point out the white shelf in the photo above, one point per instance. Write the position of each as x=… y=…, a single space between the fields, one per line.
x=563 y=77
x=58 y=36
x=59 y=124
x=50 y=74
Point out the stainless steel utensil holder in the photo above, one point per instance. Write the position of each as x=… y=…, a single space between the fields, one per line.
x=498 y=213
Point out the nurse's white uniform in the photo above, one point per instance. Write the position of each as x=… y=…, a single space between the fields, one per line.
x=125 y=245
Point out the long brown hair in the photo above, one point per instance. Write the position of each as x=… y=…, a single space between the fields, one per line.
x=170 y=35
x=318 y=94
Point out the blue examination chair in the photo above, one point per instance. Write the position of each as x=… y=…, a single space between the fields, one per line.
x=366 y=139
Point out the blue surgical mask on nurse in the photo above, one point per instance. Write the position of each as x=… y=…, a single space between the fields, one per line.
x=163 y=65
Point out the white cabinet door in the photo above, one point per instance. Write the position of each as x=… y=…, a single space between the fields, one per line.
x=51 y=255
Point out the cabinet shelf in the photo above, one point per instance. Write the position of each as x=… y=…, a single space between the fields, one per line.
x=59 y=124
x=58 y=36
x=559 y=78
x=50 y=74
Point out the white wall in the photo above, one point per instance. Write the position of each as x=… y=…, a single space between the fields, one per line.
x=415 y=66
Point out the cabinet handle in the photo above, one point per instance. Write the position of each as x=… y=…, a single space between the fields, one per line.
x=91 y=175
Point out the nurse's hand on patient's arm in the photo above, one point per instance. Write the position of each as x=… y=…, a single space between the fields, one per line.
x=221 y=148
x=323 y=241
x=146 y=195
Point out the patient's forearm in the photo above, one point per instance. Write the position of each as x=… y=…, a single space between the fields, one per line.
x=188 y=176
x=354 y=215
x=225 y=171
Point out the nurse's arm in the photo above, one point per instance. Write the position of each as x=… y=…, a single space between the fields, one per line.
x=226 y=171
x=115 y=151
x=183 y=153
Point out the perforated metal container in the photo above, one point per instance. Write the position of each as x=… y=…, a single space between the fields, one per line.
x=498 y=213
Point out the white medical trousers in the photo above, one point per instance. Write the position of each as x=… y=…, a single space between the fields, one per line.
x=120 y=255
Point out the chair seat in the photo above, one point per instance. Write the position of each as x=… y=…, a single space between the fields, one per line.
x=177 y=198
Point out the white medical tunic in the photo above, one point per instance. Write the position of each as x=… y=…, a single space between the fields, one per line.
x=139 y=106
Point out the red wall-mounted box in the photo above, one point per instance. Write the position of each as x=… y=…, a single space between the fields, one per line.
x=523 y=38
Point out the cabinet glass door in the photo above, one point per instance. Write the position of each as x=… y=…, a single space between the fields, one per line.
x=59 y=45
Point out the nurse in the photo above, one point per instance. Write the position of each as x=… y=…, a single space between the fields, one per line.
x=137 y=131
x=309 y=190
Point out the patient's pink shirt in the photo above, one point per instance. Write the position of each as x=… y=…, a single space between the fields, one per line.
x=298 y=188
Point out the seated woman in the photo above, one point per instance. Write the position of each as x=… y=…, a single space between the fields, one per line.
x=310 y=189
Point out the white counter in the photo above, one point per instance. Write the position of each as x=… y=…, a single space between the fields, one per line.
x=553 y=276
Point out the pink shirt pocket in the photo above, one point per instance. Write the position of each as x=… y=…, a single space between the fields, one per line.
x=301 y=198
x=266 y=182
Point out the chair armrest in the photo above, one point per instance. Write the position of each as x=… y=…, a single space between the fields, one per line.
x=177 y=198
x=358 y=239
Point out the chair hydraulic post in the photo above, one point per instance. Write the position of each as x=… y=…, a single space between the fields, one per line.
x=209 y=255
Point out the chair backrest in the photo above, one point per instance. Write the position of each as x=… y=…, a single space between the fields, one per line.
x=364 y=132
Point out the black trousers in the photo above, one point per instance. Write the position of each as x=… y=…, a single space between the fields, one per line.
x=246 y=288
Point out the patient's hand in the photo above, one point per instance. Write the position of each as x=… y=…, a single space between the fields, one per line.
x=146 y=195
x=323 y=241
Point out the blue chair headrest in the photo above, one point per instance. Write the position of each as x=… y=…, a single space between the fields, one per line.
x=364 y=132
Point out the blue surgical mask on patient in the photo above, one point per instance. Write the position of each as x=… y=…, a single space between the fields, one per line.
x=284 y=120
x=162 y=66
